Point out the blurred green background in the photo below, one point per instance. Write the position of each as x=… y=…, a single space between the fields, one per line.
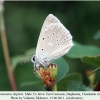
x=23 y=21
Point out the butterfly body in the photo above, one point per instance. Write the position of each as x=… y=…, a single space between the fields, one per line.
x=39 y=61
x=54 y=41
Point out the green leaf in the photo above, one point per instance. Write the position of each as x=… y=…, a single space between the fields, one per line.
x=30 y=52
x=63 y=68
x=92 y=60
x=95 y=61
x=26 y=80
x=30 y=83
x=79 y=50
x=22 y=58
x=54 y=87
x=73 y=77
x=76 y=86
x=97 y=35
x=4 y=79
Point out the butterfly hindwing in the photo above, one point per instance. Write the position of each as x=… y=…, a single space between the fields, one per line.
x=55 y=42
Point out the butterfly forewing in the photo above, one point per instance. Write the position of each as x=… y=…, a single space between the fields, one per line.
x=50 y=19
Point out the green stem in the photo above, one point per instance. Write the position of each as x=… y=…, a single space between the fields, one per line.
x=54 y=87
x=94 y=71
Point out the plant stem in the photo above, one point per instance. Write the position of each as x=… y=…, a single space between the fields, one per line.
x=54 y=87
x=6 y=53
x=94 y=71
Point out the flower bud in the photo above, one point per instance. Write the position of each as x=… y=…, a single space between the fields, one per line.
x=47 y=75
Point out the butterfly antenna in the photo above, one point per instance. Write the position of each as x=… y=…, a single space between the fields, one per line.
x=22 y=63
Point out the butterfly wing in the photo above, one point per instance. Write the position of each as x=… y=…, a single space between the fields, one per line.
x=54 y=41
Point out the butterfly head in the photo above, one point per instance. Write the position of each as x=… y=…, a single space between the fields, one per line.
x=34 y=60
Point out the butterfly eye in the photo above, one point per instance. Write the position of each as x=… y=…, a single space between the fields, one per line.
x=33 y=58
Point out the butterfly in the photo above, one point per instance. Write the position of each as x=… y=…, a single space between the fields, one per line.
x=54 y=41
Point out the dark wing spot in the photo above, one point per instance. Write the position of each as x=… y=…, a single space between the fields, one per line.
x=42 y=49
x=43 y=38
